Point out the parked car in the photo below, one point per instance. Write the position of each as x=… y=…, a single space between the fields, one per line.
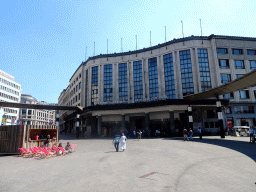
x=241 y=131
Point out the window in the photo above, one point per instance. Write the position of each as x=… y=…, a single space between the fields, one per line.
x=137 y=78
x=169 y=76
x=223 y=63
x=29 y=112
x=244 y=109
x=237 y=51
x=86 y=83
x=153 y=77
x=80 y=85
x=79 y=76
x=123 y=89
x=76 y=88
x=94 y=85
x=204 y=69
x=76 y=98
x=252 y=64
x=239 y=64
x=225 y=78
x=251 y=52
x=228 y=96
x=108 y=94
x=222 y=50
x=79 y=96
x=24 y=111
x=186 y=73
x=227 y=110
x=244 y=94
x=239 y=75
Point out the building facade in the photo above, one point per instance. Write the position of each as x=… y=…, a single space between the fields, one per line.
x=36 y=116
x=10 y=91
x=108 y=85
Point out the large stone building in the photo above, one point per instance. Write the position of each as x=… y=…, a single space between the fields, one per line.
x=145 y=88
x=10 y=91
x=36 y=116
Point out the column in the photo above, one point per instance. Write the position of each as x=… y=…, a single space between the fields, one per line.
x=220 y=118
x=123 y=124
x=99 y=125
x=146 y=121
x=77 y=126
x=190 y=118
x=172 y=125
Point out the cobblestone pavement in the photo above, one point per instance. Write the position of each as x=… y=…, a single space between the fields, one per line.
x=159 y=164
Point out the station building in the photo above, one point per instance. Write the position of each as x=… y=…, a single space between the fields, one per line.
x=144 y=89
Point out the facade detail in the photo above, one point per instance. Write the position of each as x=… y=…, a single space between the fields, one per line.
x=144 y=89
x=10 y=91
x=36 y=116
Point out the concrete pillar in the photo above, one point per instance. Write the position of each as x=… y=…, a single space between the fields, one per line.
x=123 y=124
x=147 y=121
x=77 y=126
x=220 y=118
x=172 y=125
x=190 y=117
x=99 y=125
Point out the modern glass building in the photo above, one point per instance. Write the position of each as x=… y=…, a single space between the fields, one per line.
x=145 y=88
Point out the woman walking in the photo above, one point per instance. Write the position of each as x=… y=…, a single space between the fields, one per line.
x=123 y=141
x=139 y=134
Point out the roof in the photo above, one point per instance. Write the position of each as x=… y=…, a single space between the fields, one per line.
x=248 y=80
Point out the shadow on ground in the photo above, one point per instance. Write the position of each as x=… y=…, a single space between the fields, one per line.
x=247 y=148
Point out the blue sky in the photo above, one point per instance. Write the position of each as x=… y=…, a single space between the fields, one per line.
x=43 y=42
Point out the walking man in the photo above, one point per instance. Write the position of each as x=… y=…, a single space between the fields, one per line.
x=191 y=134
x=123 y=141
x=116 y=141
x=185 y=133
x=199 y=132
x=251 y=131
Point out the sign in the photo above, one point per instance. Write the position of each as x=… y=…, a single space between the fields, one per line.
x=4 y=120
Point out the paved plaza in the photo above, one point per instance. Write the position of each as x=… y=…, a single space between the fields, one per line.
x=157 y=164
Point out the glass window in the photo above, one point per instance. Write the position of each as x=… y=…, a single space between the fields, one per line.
x=108 y=86
x=223 y=63
x=153 y=78
x=137 y=78
x=24 y=111
x=94 y=85
x=186 y=73
x=204 y=69
x=239 y=64
x=252 y=64
x=239 y=75
x=123 y=89
x=222 y=50
x=251 y=52
x=86 y=87
x=244 y=109
x=244 y=94
x=228 y=96
x=29 y=112
x=227 y=110
x=225 y=78
x=169 y=76
x=237 y=51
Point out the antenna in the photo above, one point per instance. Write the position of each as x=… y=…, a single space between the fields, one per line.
x=136 y=42
x=150 y=38
x=201 y=28
x=182 y=28
x=85 y=53
x=94 y=49
x=165 y=33
x=107 y=46
x=121 y=45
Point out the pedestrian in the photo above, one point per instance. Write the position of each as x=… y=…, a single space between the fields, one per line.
x=251 y=131
x=139 y=134
x=199 y=132
x=157 y=132
x=123 y=141
x=191 y=134
x=46 y=143
x=185 y=133
x=116 y=141
x=134 y=133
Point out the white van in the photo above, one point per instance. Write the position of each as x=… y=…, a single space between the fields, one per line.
x=241 y=131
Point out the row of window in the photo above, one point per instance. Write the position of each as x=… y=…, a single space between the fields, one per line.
x=226 y=77
x=8 y=110
x=236 y=51
x=240 y=109
x=9 y=90
x=243 y=94
x=239 y=64
x=76 y=80
x=8 y=96
x=9 y=83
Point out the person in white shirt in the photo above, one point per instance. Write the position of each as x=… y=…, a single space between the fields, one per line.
x=199 y=132
x=123 y=141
